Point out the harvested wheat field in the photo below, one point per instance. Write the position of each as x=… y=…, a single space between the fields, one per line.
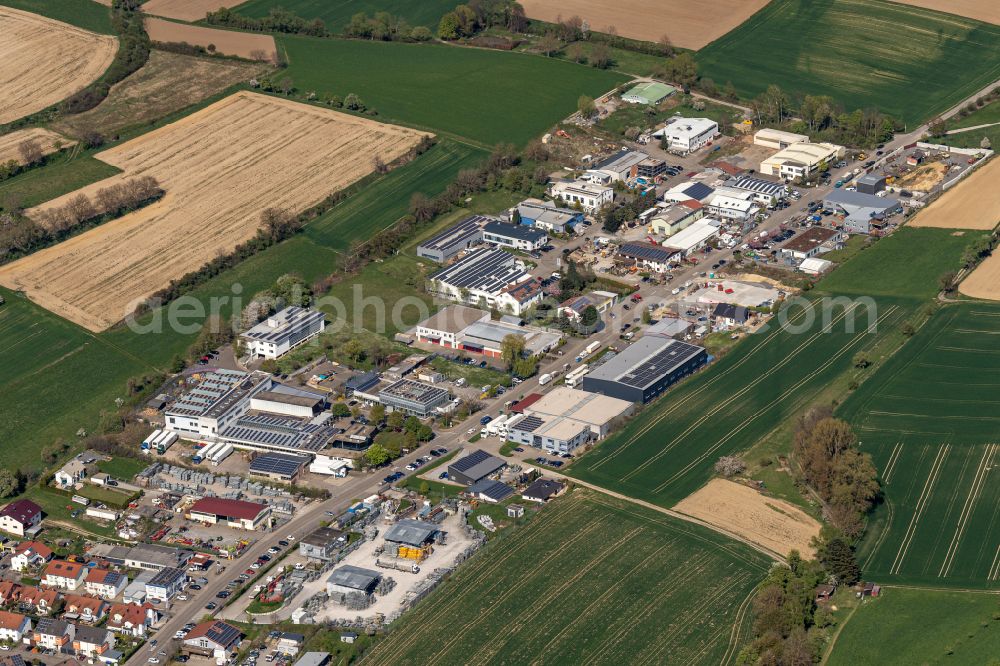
x=984 y=282
x=972 y=204
x=688 y=24
x=167 y=83
x=227 y=42
x=772 y=523
x=44 y=61
x=219 y=167
x=186 y=10
x=987 y=11
x=47 y=140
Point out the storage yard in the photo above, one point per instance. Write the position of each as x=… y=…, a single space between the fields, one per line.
x=293 y=154
x=688 y=24
x=43 y=62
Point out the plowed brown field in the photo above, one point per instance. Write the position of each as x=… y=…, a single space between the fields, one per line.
x=47 y=139
x=186 y=10
x=227 y=42
x=690 y=24
x=972 y=204
x=219 y=167
x=772 y=523
x=981 y=10
x=43 y=61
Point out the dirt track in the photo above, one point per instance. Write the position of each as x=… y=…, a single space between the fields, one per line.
x=689 y=24
x=981 y=10
x=972 y=204
x=773 y=523
x=220 y=167
x=186 y=10
x=44 y=61
x=46 y=139
x=227 y=42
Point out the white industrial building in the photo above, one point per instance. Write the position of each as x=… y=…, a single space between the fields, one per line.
x=479 y=277
x=686 y=135
x=620 y=166
x=590 y=196
x=283 y=331
x=694 y=237
x=552 y=434
x=764 y=192
x=777 y=139
x=800 y=160
x=732 y=204
x=221 y=397
x=598 y=412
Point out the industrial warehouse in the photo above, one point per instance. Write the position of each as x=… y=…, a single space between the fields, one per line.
x=645 y=369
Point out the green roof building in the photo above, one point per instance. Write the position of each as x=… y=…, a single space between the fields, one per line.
x=651 y=92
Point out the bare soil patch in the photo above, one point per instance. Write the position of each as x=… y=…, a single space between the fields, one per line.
x=186 y=10
x=227 y=42
x=924 y=177
x=770 y=522
x=47 y=140
x=689 y=24
x=972 y=204
x=168 y=82
x=43 y=61
x=220 y=167
x=984 y=282
x=987 y=11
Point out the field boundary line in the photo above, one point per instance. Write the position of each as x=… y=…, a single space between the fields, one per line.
x=893 y=459
x=970 y=502
x=734 y=634
x=883 y=535
x=728 y=401
x=673 y=408
x=733 y=432
x=922 y=500
x=995 y=567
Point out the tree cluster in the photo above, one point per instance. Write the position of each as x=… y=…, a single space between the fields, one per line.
x=621 y=211
x=681 y=69
x=830 y=463
x=473 y=17
x=385 y=27
x=278 y=19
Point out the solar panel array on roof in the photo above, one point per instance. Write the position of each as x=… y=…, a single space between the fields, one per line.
x=661 y=363
x=760 y=186
x=698 y=191
x=213 y=387
x=647 y=252
x=277 y=463
x=529 y=424
x=471 y=460
x=516 y=231
x=284 y=325
x=272 y=431
x=488 y=270
x=462 y=232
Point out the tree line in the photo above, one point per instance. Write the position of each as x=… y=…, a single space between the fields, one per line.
x=21 y=235
x=278 y=19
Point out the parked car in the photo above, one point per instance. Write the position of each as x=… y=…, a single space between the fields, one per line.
x=443 y=475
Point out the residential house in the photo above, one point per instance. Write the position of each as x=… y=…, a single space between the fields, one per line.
x=84 y=609
x=518 y=298
x=542 y=490
x=647 y=256
x=105 y=584
x=14 y=627
x=9 y=592
x=732 y=204
x=90 y=642
x=166 y=583
x=37 y=600
x=727 y=315
x=77 y=469
x=20 y=517
x=214 y=638
x=11 y=660
x=590 y=197
x=676 y=218
x=30 y=554
x=132 y=619
x=53 y=634
x=545 y=215
x=64 y=575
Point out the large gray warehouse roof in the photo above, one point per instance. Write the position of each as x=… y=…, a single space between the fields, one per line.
x=354 y=577
x=477 y=464
x=644 y=362
x=411 y=532
x=851 y=199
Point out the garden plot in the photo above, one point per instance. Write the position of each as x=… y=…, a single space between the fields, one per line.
x=43 y=61
x=220 y=167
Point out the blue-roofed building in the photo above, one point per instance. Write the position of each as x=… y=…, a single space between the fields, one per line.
x=545 y=215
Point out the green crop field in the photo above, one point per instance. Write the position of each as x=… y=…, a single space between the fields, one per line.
x=85 y=14
x=66 y=173
x=486 y=96
x=929 y=420
x=47 y=361
x=973 y=138
x=337 y=15
x=588 y=580
x=909 y=62
x=669 y=450
x=921 y=627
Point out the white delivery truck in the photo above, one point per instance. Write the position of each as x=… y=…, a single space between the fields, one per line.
x=592 y=347
x=544 y=379
x=494 y=426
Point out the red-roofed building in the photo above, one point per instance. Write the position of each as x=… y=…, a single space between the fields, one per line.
x=525 y=402
x=30 y=554
x=104 y=583
x=517 y=298
x=37 y=600
x=85 y=609
x=726 y=168
x=692 y=204
x=64 y=575
x=132 y=619
x=234 y=513
x=13 y=626
x=20 y=516
x=215 y=639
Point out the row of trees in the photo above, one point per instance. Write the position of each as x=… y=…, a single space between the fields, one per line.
x=830 y=463
x=278 y=19
x=385 y=27
x=475 y=16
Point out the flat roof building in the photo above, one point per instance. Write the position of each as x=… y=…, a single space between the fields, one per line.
x=860 y=209
x=812 y=241
x=686 y=135
x=645 y=369
x=694 y=237
x=777 y=139
x=515 y=236
x=598 y=412
x=151 y=557
x=414 y=398
x=622 y=165
x=288 y=404
x=648 y=92
x=278 y=466
x=800 y=159
x=457 y=238
x=217 y=400
x=557 y=434
x=591 y=197
x=283 y=331
x=263 y=431
x=479 y=277
x=545 y=215
x=476 y=466
x=444 y=327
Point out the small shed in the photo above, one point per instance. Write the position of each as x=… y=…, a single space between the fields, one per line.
x=825 y=592
x=348 y=637
x=515 y=511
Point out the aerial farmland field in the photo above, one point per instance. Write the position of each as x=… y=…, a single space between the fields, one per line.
x=972 y=204
x=185 y=10
x=927 y=419
x=85 y=14
x=43 y=61
x=482 y=95
x=590 y=580
x=222 y=165
x=252 y=46
x=337 y=15
x=909 y=62
x=47 y=140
